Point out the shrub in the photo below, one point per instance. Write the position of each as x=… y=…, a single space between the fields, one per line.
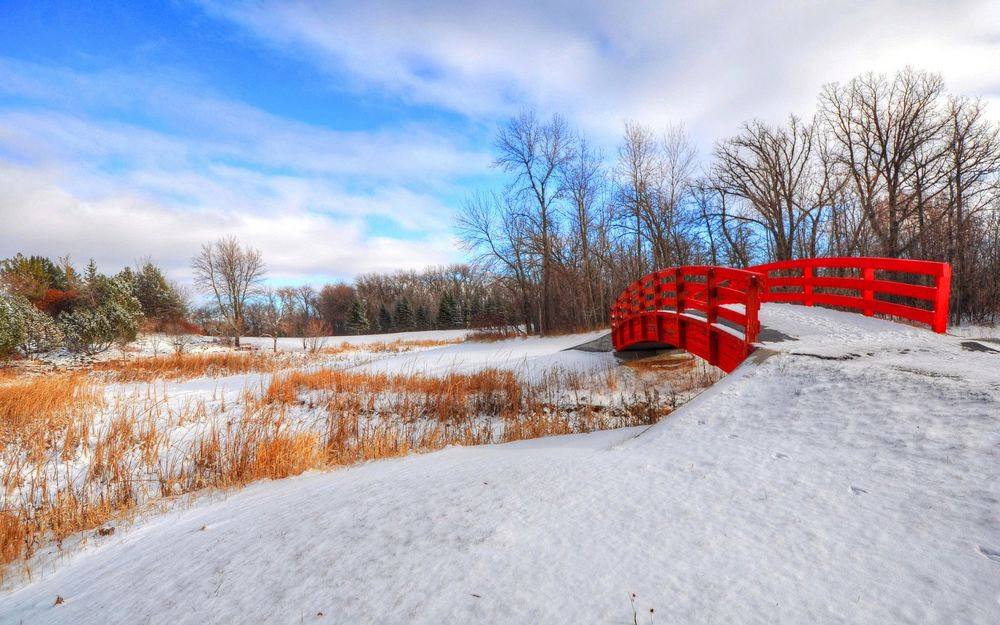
x=41 y=334
x=11 y=325
x=116 y=319
x=24 y=328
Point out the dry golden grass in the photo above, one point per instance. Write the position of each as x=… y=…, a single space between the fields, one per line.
x=388 y=347
x=443 y=398
x=72 y=461
x=35 y=410
x=492 y=335
x=186 y=366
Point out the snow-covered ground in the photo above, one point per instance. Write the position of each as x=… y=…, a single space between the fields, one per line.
x=849 y=476
x=528 y=356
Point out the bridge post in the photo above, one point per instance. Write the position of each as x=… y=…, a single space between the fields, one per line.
x=807 y=289
x=942 y=285
x=711 y=316
x=751 y=329
x=868 y=295
x=679 y=294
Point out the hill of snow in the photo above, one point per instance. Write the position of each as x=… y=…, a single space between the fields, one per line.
x=850 y=474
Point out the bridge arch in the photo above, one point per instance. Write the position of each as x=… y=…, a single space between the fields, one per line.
x=713 y=312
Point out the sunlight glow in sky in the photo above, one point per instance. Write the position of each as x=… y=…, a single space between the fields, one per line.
x=342 y=137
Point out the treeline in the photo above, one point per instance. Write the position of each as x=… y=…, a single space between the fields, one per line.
x=232 y=276
x=887 y=166
x=454 y=296
x=45 y=305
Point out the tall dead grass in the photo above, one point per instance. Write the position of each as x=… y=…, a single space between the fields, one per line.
x=397 y=346
x=187 y=366
x=38 y=411
x=73 y=460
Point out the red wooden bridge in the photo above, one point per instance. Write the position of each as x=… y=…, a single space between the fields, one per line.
x=712 y=312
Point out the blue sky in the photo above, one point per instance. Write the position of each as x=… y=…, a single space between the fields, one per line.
x=342 y=137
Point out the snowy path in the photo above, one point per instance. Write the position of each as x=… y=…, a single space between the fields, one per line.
x=852 y=475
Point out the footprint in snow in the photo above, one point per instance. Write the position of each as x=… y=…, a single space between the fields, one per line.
x=992 y=554
x=858 y=491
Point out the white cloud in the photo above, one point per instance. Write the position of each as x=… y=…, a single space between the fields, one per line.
x=40 y=217
x=708 y=64
x=76 y=179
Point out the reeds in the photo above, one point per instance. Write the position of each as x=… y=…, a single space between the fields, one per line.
x=397 y=346
x=187 y=366
x=73 y=460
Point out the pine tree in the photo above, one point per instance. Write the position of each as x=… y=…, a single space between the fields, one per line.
x=40 y=331
x=36 y=278
x=493 y=313
x=116 y=317
x=446 y=311
x=404 y=314
x=384 y=319
x=357 y=317
x=161 y=300
x=423 y=320
x=11 y=325
x=92 y=285
x=473 y=312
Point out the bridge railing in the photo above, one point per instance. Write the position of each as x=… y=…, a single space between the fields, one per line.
x=711 y=312
x=875 y=277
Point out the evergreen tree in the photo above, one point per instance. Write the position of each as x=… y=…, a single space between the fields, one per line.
x=423 y=320
x=446 y=311
x=37 y=278
x=161 y=301
x=473 y=312
x=116 y=317
x=404 y=314
x=11 y=325
x=357 y=317
x=93 y=284
x=493 y=314
x=40 y=331
x=384 y=318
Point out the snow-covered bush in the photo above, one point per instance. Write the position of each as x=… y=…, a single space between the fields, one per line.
x=41 y=334
x=86 y=331
x=11 y=325
x=24 y=328
x=116 y=319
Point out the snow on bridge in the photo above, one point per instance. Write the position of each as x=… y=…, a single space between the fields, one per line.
x=849 y=471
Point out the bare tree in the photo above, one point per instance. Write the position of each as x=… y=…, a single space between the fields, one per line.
x=776 y=172
x=489 y=227
x=886 y=131
x=314 y=336
x=973 y=158
x=654 y=186
x=231 y=274
x=270 y=316
x=637 y=173
x=535 y=152
x=583 y=180
x=179 y=338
